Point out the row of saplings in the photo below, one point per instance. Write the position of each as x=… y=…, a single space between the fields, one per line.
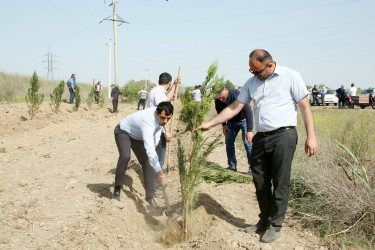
x=34 y=98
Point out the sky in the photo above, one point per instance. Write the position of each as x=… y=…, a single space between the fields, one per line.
x=329 y=42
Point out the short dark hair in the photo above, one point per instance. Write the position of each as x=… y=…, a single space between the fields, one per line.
x=260 y=55
x=164 y=78
x=166 y=106
x=72 y=75
x=352 y=84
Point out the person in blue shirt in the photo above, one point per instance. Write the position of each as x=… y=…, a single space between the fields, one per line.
x=141 y=132
x=72 y=85
x=242 y=121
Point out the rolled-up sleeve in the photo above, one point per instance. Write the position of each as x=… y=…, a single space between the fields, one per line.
x=148 y=140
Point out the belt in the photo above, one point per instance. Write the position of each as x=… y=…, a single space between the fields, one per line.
x=279 y=130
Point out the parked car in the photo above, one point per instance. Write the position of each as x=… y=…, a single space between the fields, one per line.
x=367 y=92
x=330 y=98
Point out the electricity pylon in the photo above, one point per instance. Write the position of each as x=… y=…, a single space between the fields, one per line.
x=50 y=62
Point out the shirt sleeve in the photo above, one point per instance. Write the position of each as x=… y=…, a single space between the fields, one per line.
x=244 y=95
x=298 y=88
x=148 y=140
x=249 y=117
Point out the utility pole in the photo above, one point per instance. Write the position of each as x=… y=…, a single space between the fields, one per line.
x=49 y=61
x=109 y=69
x=146 y=78
x=115 y=18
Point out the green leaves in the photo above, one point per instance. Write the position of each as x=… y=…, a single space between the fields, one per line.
x=33 y=98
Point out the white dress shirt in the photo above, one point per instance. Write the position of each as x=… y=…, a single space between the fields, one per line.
x=157 y=95
x=143 y=126
x=275 y=99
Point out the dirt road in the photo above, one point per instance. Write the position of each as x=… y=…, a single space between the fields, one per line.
x=57 y=174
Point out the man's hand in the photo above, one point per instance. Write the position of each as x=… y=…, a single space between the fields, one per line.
x=225 y=129
x=177 y=80
x=161 y=178
x=204 y=127
x=249 y=137
x=311 y=146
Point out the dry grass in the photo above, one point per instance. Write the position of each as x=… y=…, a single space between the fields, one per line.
x=323 y=190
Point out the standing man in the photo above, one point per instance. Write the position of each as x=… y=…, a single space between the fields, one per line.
x=353 y=90
x=72 y=85
x=115 y=94
x=341 y=94
x=323 y=92
x=275 y=91
x=242 y=121
x=315 y=96
x=97 y=90
x=196 y=94
x=143 y=94
x=159 y=94
x=140 y=132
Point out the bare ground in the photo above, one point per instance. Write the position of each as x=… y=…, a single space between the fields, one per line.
x=57 y=174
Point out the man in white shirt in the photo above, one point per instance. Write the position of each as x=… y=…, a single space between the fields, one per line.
x=140 y=132
x=275 y=91
x=142 y=101
x=353 y=90
x=196 y=94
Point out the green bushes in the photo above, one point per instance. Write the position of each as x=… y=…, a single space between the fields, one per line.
x=33 y=98
x=91 y=97
x=131 y=90
x=77 y=99
x=56 y=96
x=334 y=191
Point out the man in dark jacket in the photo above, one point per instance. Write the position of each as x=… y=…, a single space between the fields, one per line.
x=242 y=121
x=341 y=94
x=115 y=94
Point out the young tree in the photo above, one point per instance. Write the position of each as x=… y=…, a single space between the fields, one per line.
x=90 y=98
x=33 y=98
x=101 y=100
x=56 y=96
x=77 y=100
x=192 y=162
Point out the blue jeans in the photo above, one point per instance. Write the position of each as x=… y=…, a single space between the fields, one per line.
x=72 y=95
x=230 y=139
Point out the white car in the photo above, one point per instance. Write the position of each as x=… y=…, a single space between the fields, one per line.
x=330 y=98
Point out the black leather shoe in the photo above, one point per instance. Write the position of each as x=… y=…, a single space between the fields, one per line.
x=152 y=202
x=116 y=195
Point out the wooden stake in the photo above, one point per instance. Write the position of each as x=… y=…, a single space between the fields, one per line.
x=172 y=119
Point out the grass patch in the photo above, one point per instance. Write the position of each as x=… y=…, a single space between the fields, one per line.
x=220 y=175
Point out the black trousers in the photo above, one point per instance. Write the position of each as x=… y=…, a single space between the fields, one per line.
x=124 y=144
x=115 y=104
x=271 y=161
x=142 y=102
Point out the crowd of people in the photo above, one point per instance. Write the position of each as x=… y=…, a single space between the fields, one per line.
x=275 y=91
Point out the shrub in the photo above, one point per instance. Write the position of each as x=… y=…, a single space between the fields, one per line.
x=77 y=99
x=91 y=97
x=33 y=98
x=101 y=99
x=56 y=96
x=131 y=90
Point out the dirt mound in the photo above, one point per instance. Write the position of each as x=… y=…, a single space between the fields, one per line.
x=57 y=174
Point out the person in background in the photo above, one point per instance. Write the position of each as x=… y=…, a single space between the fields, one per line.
x=315 y=93
x=276 y=91
x=353 y=90
x=323 y=92
x=341 y=94
x=140 y=132
x=196 y=94
x=98 y=88
x=72 y=85
x=115 y=95
x=242 y=121
x=142 y=101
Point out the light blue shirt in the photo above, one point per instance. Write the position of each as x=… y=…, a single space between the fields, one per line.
x=275 y=99
x=323 y=90
x=71 y=82
x=143 y=126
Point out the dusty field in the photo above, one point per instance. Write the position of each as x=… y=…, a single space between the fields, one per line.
x=57 y=174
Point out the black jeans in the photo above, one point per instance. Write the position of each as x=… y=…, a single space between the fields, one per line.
x=124 y=143
x=96 y=94
x=115 y=104
x=271 y=161
x=142 y=102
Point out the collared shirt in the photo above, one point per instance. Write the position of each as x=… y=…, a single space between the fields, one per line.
x=143 y=94
x=143 y=126
x=323 y=90
x=157 y=95
x=246 y=112
x=71 y=82
x=275 y=99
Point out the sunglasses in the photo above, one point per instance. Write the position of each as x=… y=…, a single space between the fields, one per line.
x=258 y=73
